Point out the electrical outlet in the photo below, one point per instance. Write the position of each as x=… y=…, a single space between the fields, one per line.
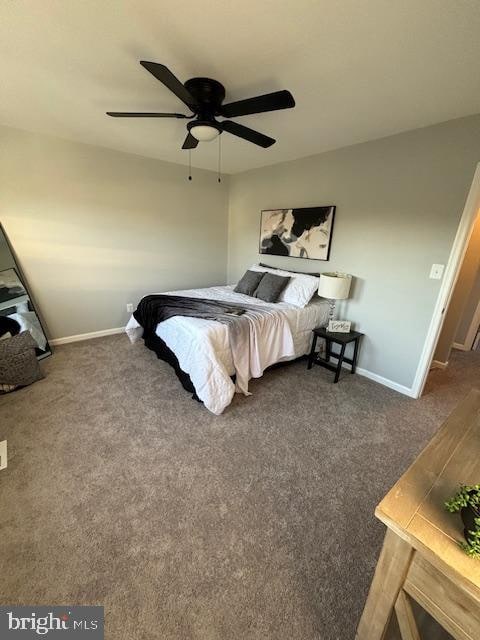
x=129 y=307
x=3 y=454
x=436 y=272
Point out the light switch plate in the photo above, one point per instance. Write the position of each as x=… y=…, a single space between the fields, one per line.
x=3 y=454
x=436 y=272
x=129 y=307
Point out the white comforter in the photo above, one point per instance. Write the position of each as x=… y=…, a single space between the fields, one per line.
x=202 y=346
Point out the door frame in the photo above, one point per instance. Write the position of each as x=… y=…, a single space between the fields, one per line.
x=452 y=270
x=473 y=329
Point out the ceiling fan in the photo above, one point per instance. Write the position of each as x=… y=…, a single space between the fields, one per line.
x=204 y=97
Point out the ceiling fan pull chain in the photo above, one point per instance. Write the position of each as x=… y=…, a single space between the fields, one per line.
x=189 y=164
x=219 y=158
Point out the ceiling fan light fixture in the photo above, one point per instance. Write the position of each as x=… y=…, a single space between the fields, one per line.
x=204 y=98
x=204 y=131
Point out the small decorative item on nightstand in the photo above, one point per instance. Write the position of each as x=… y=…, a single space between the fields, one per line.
x=341 y=339
x=334 y=286
x=339 y=326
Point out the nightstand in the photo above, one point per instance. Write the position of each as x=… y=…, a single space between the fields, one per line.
x=341 y=339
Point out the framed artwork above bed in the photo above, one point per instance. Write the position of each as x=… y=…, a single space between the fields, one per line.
x=297 y=233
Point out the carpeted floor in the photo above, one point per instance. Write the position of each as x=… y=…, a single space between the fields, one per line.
x=254 y=525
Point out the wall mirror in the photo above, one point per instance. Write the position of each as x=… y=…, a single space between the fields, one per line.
x=17 y=310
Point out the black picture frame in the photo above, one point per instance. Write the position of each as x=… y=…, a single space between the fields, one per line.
x=293 y=232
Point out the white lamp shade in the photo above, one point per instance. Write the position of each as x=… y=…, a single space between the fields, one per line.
x=204 y=133
x=334 y=286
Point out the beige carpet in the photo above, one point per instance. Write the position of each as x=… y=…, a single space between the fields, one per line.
x=254 y=525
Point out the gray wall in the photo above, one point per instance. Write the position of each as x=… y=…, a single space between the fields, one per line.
x=94 y=229
x=399 y=202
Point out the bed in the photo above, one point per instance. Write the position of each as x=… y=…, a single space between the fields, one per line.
x=200 y=351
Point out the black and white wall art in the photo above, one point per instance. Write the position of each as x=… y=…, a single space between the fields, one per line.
x=297 y=233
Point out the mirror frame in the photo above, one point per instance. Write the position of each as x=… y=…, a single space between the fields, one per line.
x=17 y=267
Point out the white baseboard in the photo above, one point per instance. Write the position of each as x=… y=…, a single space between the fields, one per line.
x=406 y=391
x=460 y=347
x=87 y=336
x=386 y=382
x=436 y=364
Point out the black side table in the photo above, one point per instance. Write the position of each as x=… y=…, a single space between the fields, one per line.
x=338 y=338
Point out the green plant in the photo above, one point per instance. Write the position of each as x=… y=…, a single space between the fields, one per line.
x=468 y=498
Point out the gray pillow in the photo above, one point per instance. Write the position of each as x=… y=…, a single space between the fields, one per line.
x=271 y=286
x=249 y=282
x=18 y=362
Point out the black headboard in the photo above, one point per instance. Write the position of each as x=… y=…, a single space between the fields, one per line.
x=305 y=273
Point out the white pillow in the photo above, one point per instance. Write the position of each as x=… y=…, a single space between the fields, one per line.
x=300 y=289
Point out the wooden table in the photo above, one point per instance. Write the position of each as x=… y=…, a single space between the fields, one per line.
x=420 y=558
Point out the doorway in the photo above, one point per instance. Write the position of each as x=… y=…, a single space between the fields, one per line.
x=460 y=326
x=448 y=297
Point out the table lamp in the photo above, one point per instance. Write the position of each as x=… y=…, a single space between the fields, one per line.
x=334 y=286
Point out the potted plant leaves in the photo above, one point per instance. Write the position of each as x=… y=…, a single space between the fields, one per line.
x=467 y=502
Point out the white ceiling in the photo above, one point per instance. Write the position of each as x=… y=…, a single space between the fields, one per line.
x=358 y=69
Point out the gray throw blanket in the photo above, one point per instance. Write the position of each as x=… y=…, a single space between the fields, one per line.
x=154 y=309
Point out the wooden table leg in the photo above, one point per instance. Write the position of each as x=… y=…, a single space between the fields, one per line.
x=392 y=567
x=355 y=355
x=405 y=617
x=311 y=357
x=340 y=362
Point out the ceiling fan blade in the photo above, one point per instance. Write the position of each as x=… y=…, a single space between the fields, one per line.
x=167 y=78
x=259 y=104
x=134 y=114
x=190 y=142
x=247 y=134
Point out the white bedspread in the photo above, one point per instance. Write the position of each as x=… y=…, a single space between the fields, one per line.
x=202 y=346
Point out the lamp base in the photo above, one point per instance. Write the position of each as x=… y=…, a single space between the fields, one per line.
x=331 y=313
